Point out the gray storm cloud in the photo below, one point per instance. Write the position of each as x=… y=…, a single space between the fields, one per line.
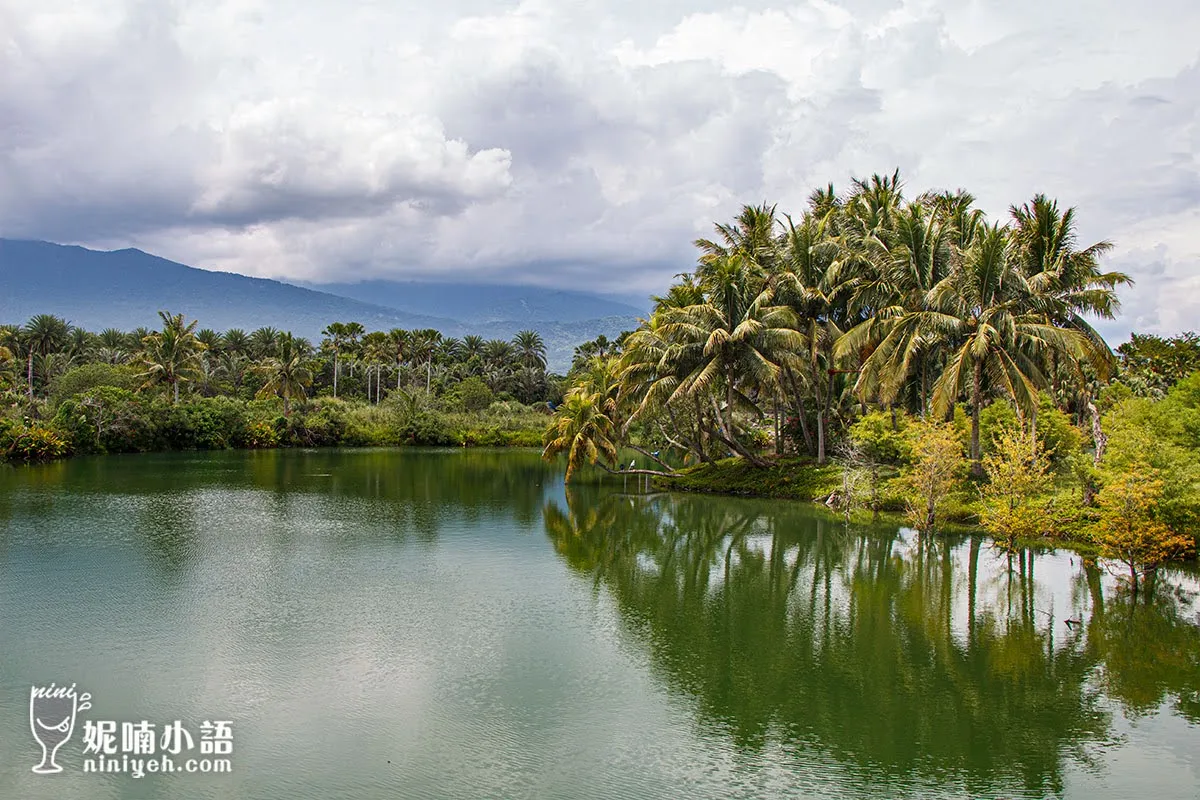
x=560 y=143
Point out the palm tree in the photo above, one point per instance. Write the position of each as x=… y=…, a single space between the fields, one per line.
x=399 y=339
x=42 y=335
x=986 y=313
x=472 y=346
x=337 y=336
x=231 y=365
x=377 y=350
x=172 y=356
x=583 y=430
x=235 y=341
x=807 y=281
x=531 y=350
x=285 y=372
x=1067 y=282
x=734 y=343
x=137 y=338
x=422 y=347
x=264 y=342
x=210 y=339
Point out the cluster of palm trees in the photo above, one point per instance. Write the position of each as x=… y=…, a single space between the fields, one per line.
x=868 y=299
x=267 y=361
x=517 y=366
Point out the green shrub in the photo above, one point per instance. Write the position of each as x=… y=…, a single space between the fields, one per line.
x=473 y=394
x=881 y=443
x=78 y=380
x=107 y=420
x=205 y=423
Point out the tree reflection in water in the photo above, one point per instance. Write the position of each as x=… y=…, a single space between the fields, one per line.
x=907 y=659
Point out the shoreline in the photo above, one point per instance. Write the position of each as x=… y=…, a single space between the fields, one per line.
x=800 y=479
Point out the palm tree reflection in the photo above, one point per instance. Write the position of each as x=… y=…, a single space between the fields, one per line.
x=902 y=657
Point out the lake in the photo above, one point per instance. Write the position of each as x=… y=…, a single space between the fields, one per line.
x=458 y=624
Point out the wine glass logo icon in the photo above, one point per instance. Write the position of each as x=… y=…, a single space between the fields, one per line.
x=52 y=712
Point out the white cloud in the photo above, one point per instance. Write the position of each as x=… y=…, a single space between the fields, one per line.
x=583 y=144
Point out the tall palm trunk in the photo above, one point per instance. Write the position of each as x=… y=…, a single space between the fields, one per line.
x=729 y=400
x=976 y=401
x=336 y=364
x=175 y=383
x=29 y=378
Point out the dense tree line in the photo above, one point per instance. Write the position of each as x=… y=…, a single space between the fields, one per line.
x=789 y=331
x=68 y=389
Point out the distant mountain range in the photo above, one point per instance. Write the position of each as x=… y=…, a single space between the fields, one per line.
x=126 y=289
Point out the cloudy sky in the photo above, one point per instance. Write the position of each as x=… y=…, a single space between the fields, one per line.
x=584 y=145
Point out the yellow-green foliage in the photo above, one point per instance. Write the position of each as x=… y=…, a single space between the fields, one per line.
x=1164 y=436
x=33 y=443
x=882 y=437
x=1014 y=497
x=1129 y=529
x=934 y=474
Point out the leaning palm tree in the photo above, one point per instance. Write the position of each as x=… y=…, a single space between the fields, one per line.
x=285 y=372
x=172 y=355
x=583 y=430
x=735 y=343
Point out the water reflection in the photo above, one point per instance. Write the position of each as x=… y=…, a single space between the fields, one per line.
x=347 y=497
x=910 y=660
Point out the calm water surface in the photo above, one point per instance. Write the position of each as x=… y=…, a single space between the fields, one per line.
x=449 y=624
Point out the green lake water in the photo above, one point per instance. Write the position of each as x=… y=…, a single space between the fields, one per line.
x=457 y=624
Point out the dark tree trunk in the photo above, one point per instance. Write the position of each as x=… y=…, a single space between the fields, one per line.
x=976 y=402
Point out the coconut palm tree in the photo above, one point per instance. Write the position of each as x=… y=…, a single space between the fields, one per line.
x=172 y=355
x=583 y=430
x=735 y=343
x=286 y=375
x=987 y=314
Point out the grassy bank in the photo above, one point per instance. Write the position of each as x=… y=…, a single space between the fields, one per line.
x=787 y=478
x=111 y=420
x=804 y=480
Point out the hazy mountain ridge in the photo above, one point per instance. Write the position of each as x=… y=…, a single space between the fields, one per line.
x=485 y=303
x=126 y=289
